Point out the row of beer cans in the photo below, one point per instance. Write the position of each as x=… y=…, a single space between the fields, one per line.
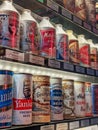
x=24 y=33
x=84 y=9
x=27 y=99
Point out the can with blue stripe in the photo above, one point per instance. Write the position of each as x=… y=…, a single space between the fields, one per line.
x=56 y=99
x=5 y=98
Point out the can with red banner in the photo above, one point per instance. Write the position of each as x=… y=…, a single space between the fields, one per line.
x=73 y=48
x=79 y=92
x=9 y=25
x=22 y=99
x=88 y=99
x=47 y=45
x=80 y=9
x=61 y=43
x=29 y=33
x=84 y=50
x=5 y=98
x=41 y=99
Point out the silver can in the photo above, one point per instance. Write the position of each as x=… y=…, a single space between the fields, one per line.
x=22 y=99
x=68 y=98
x=56 y=99
x=79 y=92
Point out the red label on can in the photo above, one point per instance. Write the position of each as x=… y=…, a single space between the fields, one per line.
x=85 y=55
x=22 y=104
x=47 y=46
x=9 y=29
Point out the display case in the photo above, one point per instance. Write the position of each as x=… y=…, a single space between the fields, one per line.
x=18 y=61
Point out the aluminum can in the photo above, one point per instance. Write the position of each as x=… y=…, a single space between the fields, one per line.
x=88 y=99
x=47 y=34
x=61 y=44
x=41 y=99
x=90 y=8
x=84 y=51
x=5 y=98
x=9 y=25
x=80 y=9
x=70 y=5
x=79 y=92
x=29 y=33
x=94 y=90
x=56 y=98
x=93 y=57
x=68 y=98
x=22 y=99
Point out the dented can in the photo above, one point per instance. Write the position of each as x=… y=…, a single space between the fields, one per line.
x=22 y=99
x=41 y=99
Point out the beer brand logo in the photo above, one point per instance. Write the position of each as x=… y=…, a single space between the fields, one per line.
x=22 y=104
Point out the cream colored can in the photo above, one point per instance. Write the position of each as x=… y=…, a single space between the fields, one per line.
x=68 y=98
x=41 y=99
x=79 y=93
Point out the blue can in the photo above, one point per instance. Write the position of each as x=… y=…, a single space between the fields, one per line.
x=94 y=90
x=56 y=99
x=5 y=98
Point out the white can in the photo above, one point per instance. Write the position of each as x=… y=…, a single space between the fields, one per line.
x=22 y=99
x=56 y=99
x=79 y=92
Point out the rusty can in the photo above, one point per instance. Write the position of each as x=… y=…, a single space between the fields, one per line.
x=56 y=98
x=88 y=99
x=68 y=98
x=79 y=92
x=5 y=98
x=41 y=98
x=22 y=99
x=80 y=9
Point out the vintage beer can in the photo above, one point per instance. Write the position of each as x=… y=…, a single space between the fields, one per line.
x=84 y=51
x=93 y=54
x=29 y=33
x=79 y=92
x=9 y=25
x=56 y=98
x=90 y=8
x=5 y=98
x=80 y=9
x=48 y=44
x=70 y=5
x=61 y=44
x=41 y=99
x=88 y=99
x=73 y=48
x=94 y=90
x=22 y=99
x=68 y=98
x=96 y=7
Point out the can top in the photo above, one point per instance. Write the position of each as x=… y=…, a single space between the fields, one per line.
x=79 y=82
x=64 y=80
x=55 y=80
x=41 y=78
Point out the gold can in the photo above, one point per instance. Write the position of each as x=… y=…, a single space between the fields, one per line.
x=68 y=98
x=41 y=99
